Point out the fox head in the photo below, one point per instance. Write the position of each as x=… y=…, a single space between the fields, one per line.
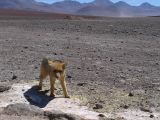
x=58 y=67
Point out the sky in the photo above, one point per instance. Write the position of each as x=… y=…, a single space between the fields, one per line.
x=132 y=2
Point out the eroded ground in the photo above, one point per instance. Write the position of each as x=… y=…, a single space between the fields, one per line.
x=112 y=62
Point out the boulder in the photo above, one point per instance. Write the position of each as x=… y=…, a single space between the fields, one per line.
x=25 y=111
x=4 y=87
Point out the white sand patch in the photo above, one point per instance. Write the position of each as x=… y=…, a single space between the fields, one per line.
x=14 y=95
x=19 y=92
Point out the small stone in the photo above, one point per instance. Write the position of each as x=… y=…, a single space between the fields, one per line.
x=124 y=106
x=111 y=60
x=151 y=116
x=35 y=67
x=14 y=77
x=157 y=63
x=158 y=89
x=78 y=68
x=91 y=88
x=130 y=94
x=67 y=47
x=69 y=77
x=25 y=47
x=101 y=115
x=98 y=106
x=145 y=109
x=4 y=87
x=81 y=84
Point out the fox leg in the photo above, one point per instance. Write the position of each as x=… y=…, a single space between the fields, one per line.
x=63 y=84
x=52 y=88
x=43 y=75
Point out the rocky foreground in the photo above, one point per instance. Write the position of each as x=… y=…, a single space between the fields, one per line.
x=20 y=101
x=23 y=102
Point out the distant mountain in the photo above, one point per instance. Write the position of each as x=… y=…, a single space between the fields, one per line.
x=102 y=8
x=94 y=8
x=102 y=3
x=123 y=9
x=122 y=4
x=146 y=6
x=118 y=9
x=67 y=6
x=18 y=4
x=25 y=5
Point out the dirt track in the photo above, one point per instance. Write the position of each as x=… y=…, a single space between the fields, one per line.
x=112 y=62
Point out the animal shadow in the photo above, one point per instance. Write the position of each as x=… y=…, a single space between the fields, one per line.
x=37 y=98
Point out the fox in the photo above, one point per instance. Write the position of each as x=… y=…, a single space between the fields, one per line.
x=55 y=69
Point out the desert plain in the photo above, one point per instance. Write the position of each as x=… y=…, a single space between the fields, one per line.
x=113 y=63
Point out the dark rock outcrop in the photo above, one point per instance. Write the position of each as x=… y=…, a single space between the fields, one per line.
x=4 y=87
x=25 y=111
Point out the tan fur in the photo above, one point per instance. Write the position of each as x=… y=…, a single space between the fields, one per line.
x=55 y=69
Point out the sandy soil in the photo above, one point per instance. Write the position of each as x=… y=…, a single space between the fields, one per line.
x=114 y=62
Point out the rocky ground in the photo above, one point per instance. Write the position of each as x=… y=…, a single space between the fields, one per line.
x=114 y=63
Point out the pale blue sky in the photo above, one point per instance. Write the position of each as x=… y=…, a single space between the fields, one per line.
x=132 y=2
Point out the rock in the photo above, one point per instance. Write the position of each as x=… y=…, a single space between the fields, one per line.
x=124 y=106
x=69 y=77
x=91 y=88
x=60 y=116
x=67 y=47
x=101 y=115
x=151 y=116
x=144 y=109
x=25 y=47
x=35 y=67
x=20 y=109
x=111 y=60
x=78 y=68
x=130 y=94
x=98 y=106
x=158 y=89
x=30 y=111
x=157 y=63
x=4 y=87
x=81 y=84
x=14 y=77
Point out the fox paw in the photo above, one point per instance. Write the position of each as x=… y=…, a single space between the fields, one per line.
x=52 y=95
x=67 y=96
x=39 y=87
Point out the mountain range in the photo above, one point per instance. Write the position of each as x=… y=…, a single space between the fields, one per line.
x=94 y=8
